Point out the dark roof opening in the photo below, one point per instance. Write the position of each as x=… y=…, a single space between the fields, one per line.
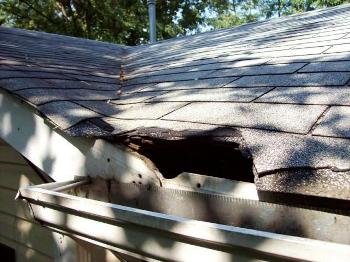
x=216 y=153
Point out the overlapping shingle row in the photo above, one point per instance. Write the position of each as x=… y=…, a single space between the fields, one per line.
x=283 y=83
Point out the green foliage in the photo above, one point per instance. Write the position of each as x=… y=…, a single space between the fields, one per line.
x=109 y=20
x=225 y=21
x=120 y=21
x=126 y=21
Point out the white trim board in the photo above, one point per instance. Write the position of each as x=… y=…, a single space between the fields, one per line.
x=63 y=157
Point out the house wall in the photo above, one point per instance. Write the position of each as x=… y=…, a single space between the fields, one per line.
x=30 y=240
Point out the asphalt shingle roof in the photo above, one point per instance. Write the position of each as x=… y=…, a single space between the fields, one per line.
x=283 y=83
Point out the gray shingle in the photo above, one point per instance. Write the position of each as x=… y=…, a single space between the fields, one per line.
x=226 y=56
x=194 y=68
x=81 y=70
x=291 y=118
x=305 y=40
x=4 y=67
x=136 y=97
x=192 y=62
x=240 y=63
x=293 y=52
x=146 y=72
x=66 y=114
x=105 y=107
x=11 y=61
x=322 y=182
x=20 y=83
x=77 y=73
x=59 y=83
x=300 y=79
x=318 y=42
x=171 y=77
x=40 y=96
x=203 y=83
x=336 y=122
x=122 y=125
x=327 y=66
x=27 y=74
x=308 y=95
x=133 y=111
x=312 y=58
x=214 y=94
x=136 y=88
x=150 y=110
x=339 y=48
x=96 y=79
x=275 y=150
x=258 y=70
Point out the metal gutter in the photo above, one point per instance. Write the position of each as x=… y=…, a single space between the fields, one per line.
x=155 y=235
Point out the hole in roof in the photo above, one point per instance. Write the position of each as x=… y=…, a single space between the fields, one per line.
x=209 y=153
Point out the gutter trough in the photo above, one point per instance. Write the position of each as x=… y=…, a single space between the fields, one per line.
x=154 y=235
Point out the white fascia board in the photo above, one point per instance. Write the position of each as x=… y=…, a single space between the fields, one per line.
x=63 y=157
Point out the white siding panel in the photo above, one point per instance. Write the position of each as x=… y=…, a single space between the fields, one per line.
x=31 y=241
x=9 y=155
x=14 y=176
x=23 y=253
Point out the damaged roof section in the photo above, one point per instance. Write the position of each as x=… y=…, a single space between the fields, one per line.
x=219 y=152
x=282 y=85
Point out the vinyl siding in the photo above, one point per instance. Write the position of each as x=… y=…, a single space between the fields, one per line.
x=31 y=241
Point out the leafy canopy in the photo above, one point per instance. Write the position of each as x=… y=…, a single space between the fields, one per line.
x=126 y=21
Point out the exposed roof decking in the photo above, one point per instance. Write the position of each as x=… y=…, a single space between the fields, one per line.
x=283 y=83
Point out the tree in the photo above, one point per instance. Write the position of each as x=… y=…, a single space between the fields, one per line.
x=126 y=21
x=120 y=21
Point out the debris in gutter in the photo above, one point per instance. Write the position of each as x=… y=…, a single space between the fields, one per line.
x=219 y=208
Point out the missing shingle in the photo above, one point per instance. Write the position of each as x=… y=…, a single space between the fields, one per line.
x=218 y=153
